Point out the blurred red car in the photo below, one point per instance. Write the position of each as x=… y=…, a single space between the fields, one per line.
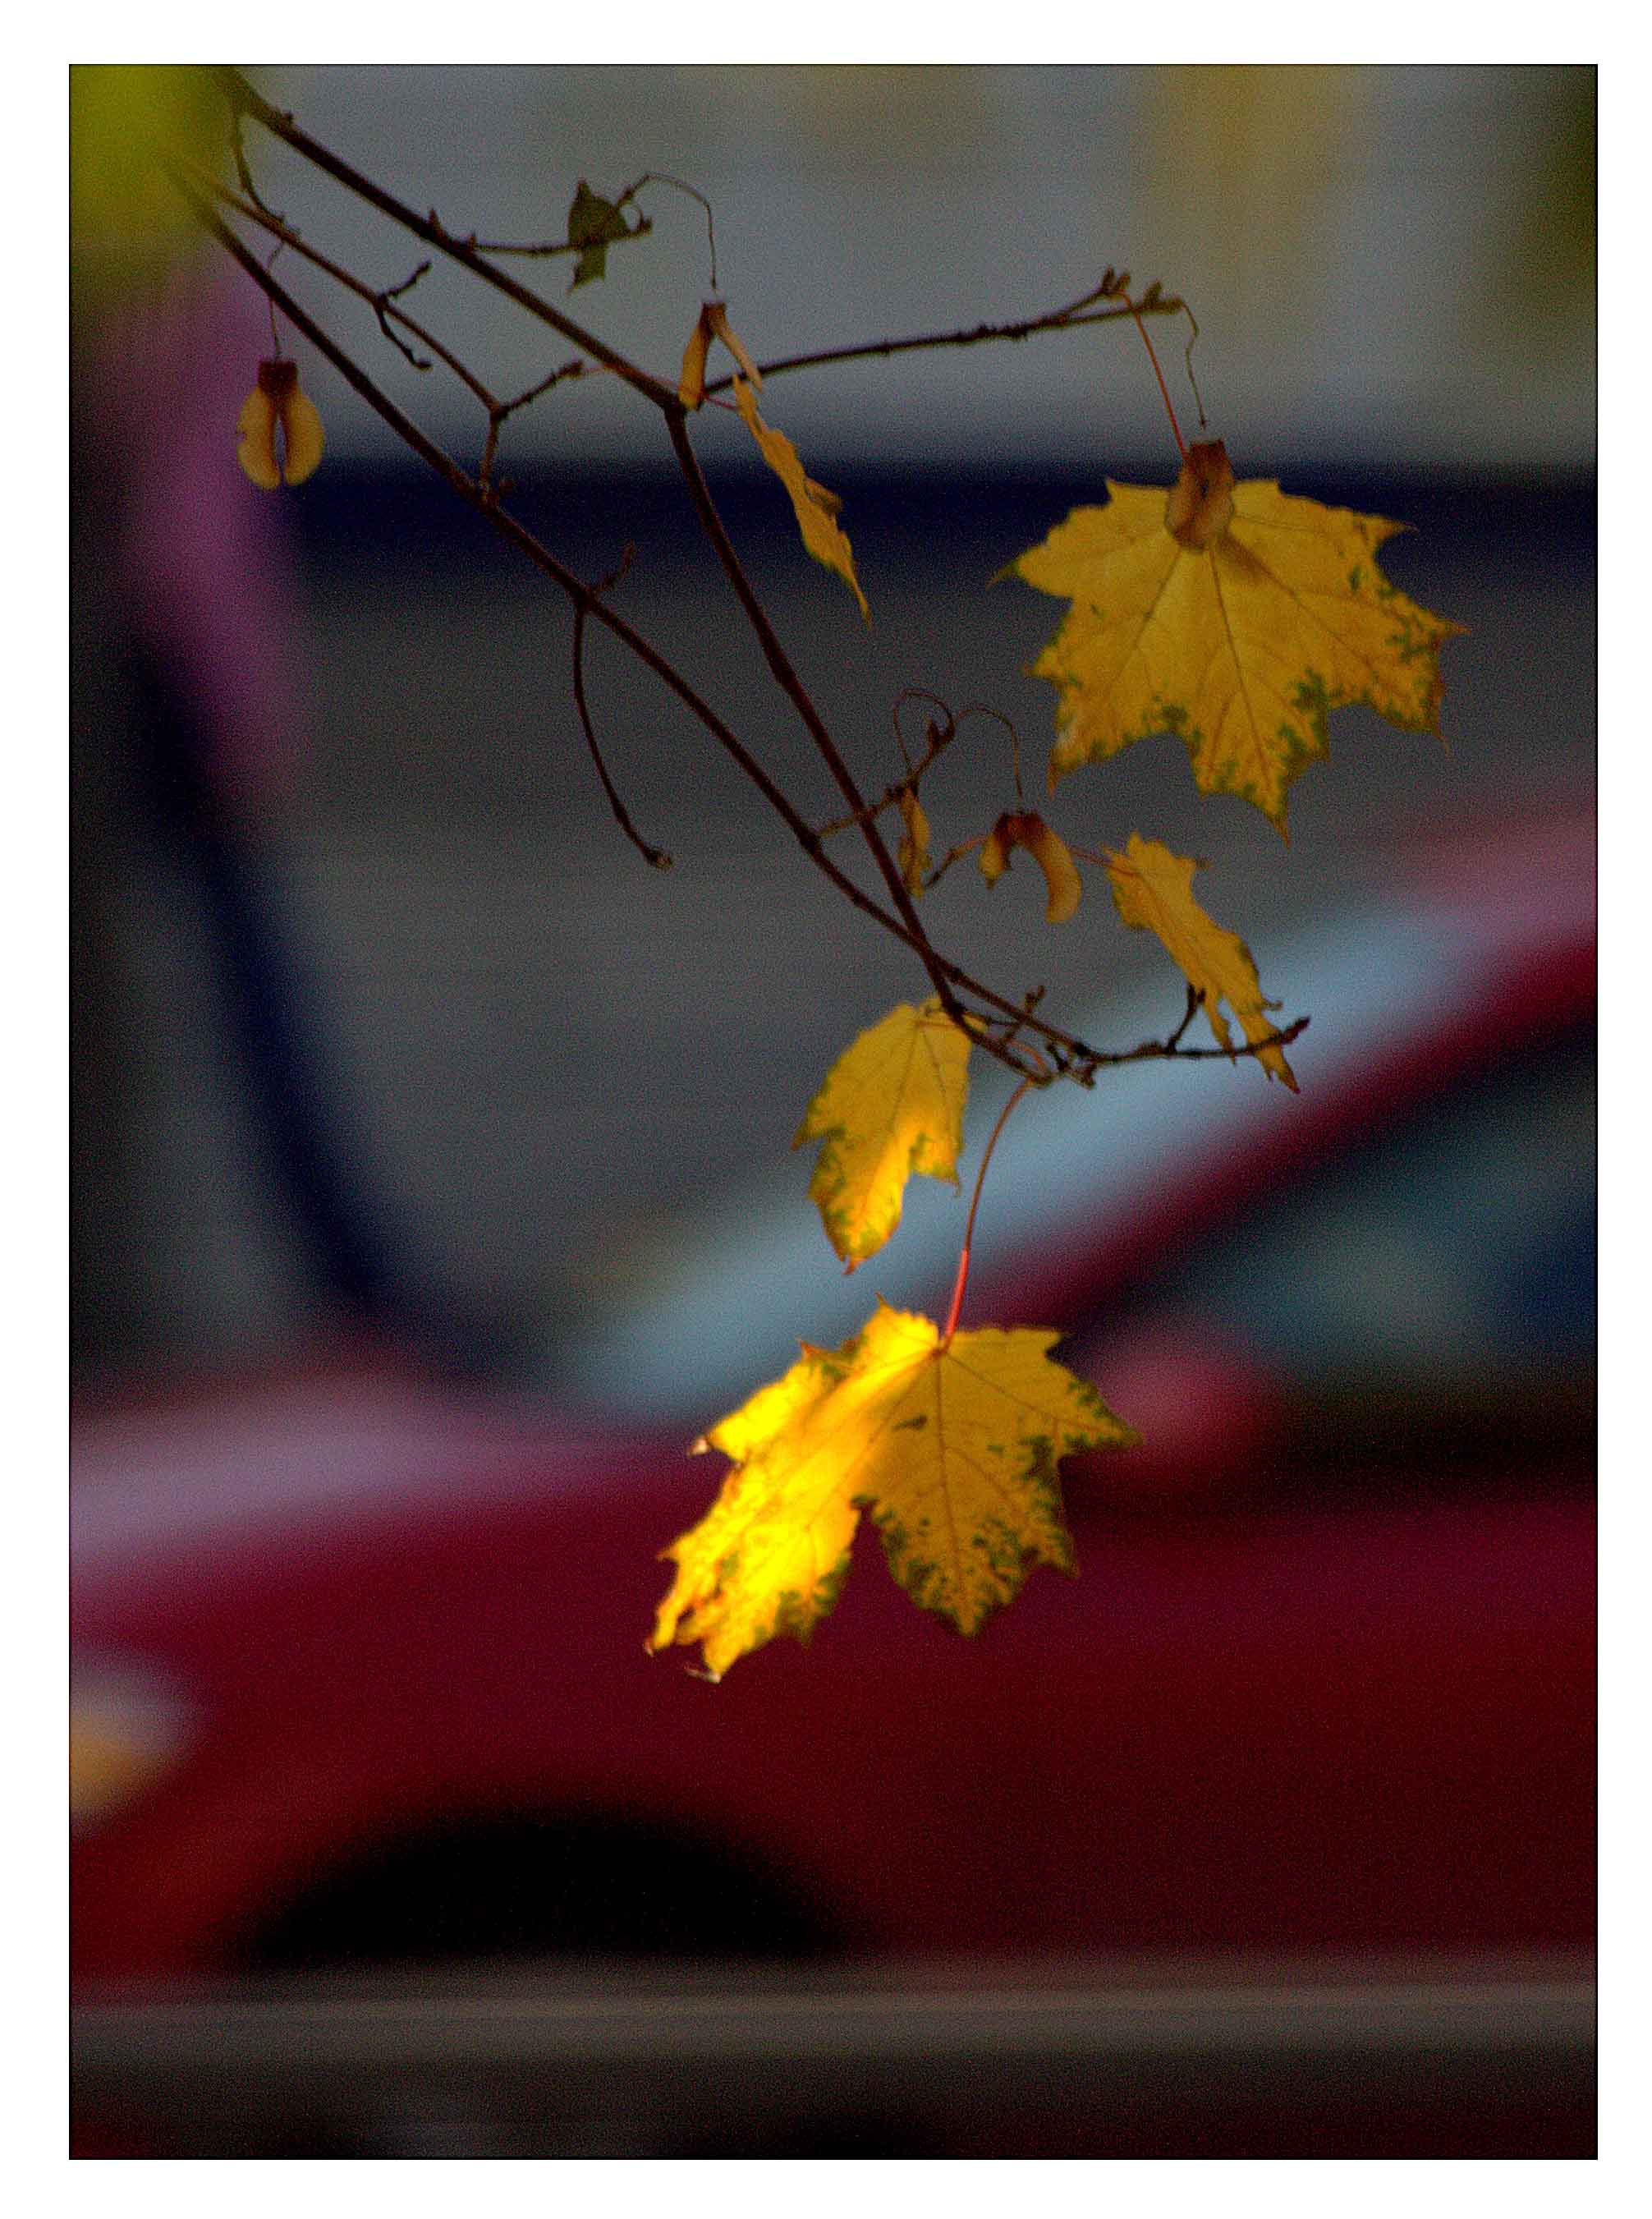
x=360 y=1672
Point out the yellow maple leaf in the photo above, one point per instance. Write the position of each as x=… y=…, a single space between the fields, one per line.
x=952 y=1448
x=815 y=505
x=1153 y=889
x=1234 y=616
x=892 y=1105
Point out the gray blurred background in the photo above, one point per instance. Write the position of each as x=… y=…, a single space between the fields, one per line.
x=527 y=1059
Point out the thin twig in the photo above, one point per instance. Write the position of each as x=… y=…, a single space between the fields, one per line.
x=245 y=99
x=953 y=856
x=656 y=857
x=499 y=410
x=542 y=250
x=665 y=178
x=940 y=739
x=243 y=171
x=792 y=686
x=948 y=724
x=381 y=300
x=1151 y=1051
x=1056 y=319
x=510 y=527
x=962 y=1280
x=1187 y=357
x=1062 y=1052
x=1195 y=999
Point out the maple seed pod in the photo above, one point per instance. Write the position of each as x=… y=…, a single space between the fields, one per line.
x=276 y=400
x=1047 y=850
x=1200 y=504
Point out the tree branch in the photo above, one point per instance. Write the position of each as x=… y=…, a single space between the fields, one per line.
x=1063 y=1054
x=790 y=684
x=486 y=502
x=1153 y=303
x=245 y=100
x=656 y=857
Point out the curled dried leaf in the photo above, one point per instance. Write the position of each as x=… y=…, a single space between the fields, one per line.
x=1153 y=890
x=913 y=854
x=815 y=507
x=691 y=383
x=1199 y=507
x=711 y=323
x=717 y=316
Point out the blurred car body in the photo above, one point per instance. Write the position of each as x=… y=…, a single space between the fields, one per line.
x=1324 y=1684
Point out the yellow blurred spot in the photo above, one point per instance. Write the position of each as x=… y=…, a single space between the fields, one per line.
x=127 y=225
x=124 y=1733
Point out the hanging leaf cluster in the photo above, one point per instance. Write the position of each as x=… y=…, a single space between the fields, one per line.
x=1223 y=612
x=1235 y=617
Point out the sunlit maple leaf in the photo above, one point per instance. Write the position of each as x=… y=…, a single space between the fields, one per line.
x=953 y=1449
x=1153 y=889
x=1235 y=616
x=893 y=1104
x=815 y=506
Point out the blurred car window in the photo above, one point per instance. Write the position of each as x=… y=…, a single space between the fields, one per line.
x=1455 y=1245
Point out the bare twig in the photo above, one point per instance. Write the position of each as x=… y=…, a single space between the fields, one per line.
x=792 y=686
x=961 y=1282
x=656 y=857
x=510 y=527
x=1056 y=319
x=997 y=1024
x=245 y=100
x=381 y=302
x=1151 y=1051
x=498 y=411
x=381 y=299
x=953 y=856
x=1195 y=997
x=941 y=738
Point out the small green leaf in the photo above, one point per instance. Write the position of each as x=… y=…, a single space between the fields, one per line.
x=594 y=226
